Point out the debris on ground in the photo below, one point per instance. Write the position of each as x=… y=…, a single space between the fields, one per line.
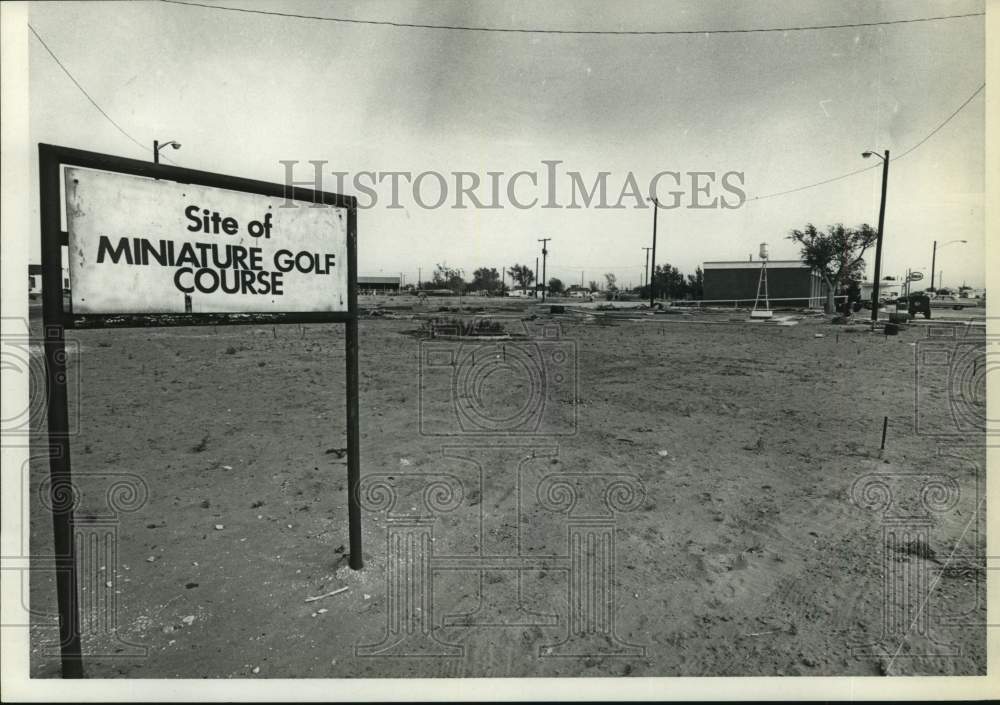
x=320 y=597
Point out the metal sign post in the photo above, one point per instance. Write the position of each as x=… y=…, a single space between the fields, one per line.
x=112 y=290
x=62 y=491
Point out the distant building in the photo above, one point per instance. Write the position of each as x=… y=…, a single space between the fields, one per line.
x=378 y=285
x=578 y=292
x=531 y=293
x=35 y=279
x=790 y=283
x=888 y=290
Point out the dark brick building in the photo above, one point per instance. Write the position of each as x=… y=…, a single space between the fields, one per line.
x=790 y=284
x=378 y=285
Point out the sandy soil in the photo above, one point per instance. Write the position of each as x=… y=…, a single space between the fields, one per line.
x=743 y=552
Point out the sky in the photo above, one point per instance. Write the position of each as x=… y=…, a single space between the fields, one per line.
x=241 y=92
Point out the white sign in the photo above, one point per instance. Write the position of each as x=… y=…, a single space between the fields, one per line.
x=140 y=245
x=916 y=276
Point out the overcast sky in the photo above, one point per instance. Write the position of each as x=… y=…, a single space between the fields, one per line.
x=243 y=91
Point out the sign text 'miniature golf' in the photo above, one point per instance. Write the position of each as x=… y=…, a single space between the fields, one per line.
x=149 y=246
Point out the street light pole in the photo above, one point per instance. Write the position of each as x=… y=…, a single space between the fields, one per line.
x=646 y=280
x=881 y=225
x=934 y=258
x=652 y=263
x=157 y=146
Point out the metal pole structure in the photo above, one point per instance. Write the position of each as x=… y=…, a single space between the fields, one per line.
x=62 y=492
x=545 y=254
x=933 y=261
x=878 y=242
x=934 y=258
x=356 y=557
x=157 y=146
x=652 y=263
x=645 y=281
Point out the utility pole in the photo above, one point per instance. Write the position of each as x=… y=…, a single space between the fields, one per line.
x=934 y=258
x=646 y=275
x=652 y=267
x=881 y=225
x=933 y=262
x=419 y=271
x=545 y=253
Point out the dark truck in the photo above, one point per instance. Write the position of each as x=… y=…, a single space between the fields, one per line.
x=916 y=303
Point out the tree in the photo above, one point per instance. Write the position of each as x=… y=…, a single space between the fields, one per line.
x=837 y=254
x=668 y=282
x=696 y=284
x=593 y=286
x=522 y=275
x=485 y=279
x=446 y=277
x=610 y=279
x=556 y=286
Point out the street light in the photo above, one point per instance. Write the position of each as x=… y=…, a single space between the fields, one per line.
x=157 y=146
x=652 y=261
x=881 y=224
x=934 y=256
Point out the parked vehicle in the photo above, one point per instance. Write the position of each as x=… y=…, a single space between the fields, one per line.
x=917 y=302
x=954 y=302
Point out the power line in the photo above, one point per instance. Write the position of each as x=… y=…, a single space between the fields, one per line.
x=87 y=95
x=621 y=32
x=946 y=121
x=876 y=166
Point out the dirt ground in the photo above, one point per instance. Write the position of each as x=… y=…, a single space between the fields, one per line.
x=738 y=547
